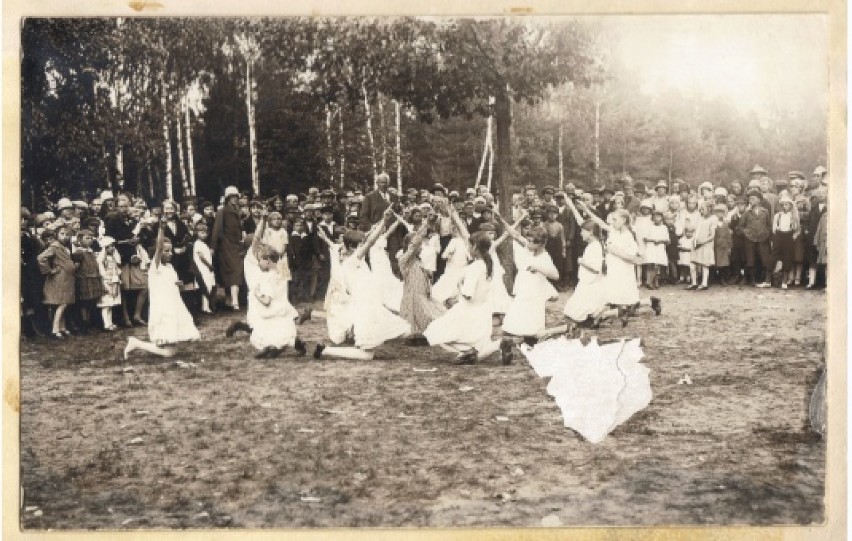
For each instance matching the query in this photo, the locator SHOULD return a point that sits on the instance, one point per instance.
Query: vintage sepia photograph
(442, 272)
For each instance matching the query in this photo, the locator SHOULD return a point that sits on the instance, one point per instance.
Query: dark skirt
(89, 289)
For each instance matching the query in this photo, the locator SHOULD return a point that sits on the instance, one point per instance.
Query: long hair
(480, 242)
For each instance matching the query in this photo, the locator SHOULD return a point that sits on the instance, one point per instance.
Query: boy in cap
(757, 229)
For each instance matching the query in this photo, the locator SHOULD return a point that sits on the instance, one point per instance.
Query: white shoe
(764, 285)
(783, 286)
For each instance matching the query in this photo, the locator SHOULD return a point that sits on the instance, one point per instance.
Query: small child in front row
(672, 251)
(655, 259)
(55, 262)
(684, 262)
(109, 264)
(723, 242)
(202, 259)
(89, 283)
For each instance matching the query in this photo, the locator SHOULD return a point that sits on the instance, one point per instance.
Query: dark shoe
(274, 352)
(506, 354)
(318, 351)
(265, 353)
(237, 326)
(656, 305)
(300, 347)
(624, 316)
(468, 357)
(530, 340)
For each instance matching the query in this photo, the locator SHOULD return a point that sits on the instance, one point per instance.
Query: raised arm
(579, 219)
(594, 217)
(373, 235)
(511, 231)
(258, 235)
(463, 232)
(323, 237)
(499, 240)
(158, 251)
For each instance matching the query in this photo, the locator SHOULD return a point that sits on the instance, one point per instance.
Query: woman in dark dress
(228, 245)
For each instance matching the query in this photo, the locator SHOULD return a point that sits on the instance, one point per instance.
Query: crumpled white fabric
(596, 387)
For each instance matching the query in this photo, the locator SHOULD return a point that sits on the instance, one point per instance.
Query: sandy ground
(239, 442)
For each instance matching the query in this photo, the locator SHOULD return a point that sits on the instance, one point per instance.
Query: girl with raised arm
(338, 317)
(525, 317)
(622, 255)
(373, 323)
(466, 328)
(456, 256)
(169, 322)
(417, 306)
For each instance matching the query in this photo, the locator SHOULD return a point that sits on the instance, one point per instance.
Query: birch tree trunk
(168, 142)
(398, 148)
(255, 181)
(183, 178)
(484, 152)
(561, 172)
(490, 159)
(119, 159)
(383, 129)
(150, 177)
(342, 149)
(370, 134)
(597, 139)
(190, 159)
(330, 156)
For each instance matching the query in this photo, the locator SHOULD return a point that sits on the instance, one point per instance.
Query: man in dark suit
(375, 202)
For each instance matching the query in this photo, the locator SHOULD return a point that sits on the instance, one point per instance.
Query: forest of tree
(180, 107)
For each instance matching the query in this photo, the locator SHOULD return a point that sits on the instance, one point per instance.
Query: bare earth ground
(239, 442)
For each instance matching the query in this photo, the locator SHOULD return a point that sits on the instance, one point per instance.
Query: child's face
(645, 211)
(691, 206)
(166, 255)
(669, 220)
(110, 249)
(62, 235)
(299, 227)
(787, 207)
(276, 222)
(688, 233)
(208, 211)
(202, 234)
(327, 216)
(190, 210)
(586, 235)
(256, 212)
(86, 241)
(658, 219)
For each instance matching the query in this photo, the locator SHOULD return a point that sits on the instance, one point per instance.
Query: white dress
(110, 268)
(338, 318)
(468, 322)
(620, 282)
(684, 254)
(429, 253)
(526, 313)
(500, 298)
(200, 248)
(251, 272)
(169, 322)
(373, 323)
(274, 325)
(641, 228)
(655, 254)
(380, 264)
(588, 298)
(447, 286)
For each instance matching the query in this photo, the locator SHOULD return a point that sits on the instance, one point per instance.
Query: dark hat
(754, 191)
(548, 189)
(551, 208)
(327, 208)
(604, 189)
(439, 187)
(758, 170)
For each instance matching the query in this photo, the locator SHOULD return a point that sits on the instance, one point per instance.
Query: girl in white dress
(338, 317)
(276, 237)
(588, 300)
(704, 255)
(373, 323)
(202, 257)
(500, 298)
(622, 255)
(655, 257)
(274, 326)
(641, 226)
(465, 328)
(456, 254)
(525, 317)
(109, 264)
(380, 265)
(169, 322)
